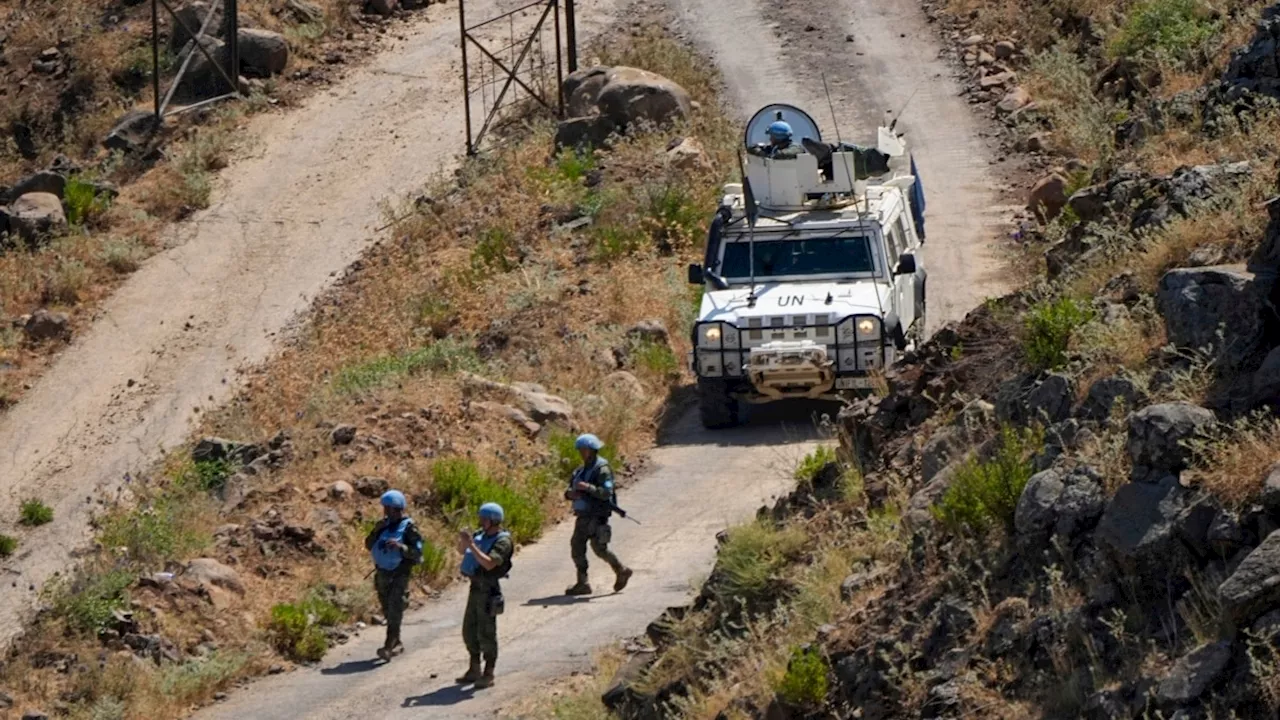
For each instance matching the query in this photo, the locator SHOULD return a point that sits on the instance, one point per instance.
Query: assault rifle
(614, 507)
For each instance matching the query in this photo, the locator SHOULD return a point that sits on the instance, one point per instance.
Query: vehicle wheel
(716, 406)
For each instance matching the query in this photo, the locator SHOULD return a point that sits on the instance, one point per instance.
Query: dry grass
(1234, 463)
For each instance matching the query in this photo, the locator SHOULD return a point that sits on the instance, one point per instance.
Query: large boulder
(582, 88)
(210, 572)
(1158, 435)
(1198, 303)
(132, 131)
(1140, 522)
(204, 77)
(584, 132)
(191, 16)
(1030, 398)
(1060, 504)
(37, 216)
(1254, 587)
(1035, 511)
(1256, 67)
(45, 181)
(1105, 393)
(1048, 197)
(262, 53)
(1194, 673)
(44, 325)
(631, 96)
(1266, 381)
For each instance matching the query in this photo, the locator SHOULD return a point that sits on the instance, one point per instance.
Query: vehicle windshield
(810, 256)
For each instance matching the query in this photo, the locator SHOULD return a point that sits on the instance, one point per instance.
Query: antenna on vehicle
(905, 105)
(752, 210)
(835, 125)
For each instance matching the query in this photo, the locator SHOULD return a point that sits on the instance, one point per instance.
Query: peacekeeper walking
(486, 559)
(592, 492)
(396, 547)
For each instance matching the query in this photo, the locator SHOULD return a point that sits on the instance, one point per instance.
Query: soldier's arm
(497, 554)
(412, 545)
(372, 537)
(603, 490)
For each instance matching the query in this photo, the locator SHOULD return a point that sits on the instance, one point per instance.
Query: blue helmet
(588, 441)
(780, 130)
(492, 511)
(393, 499)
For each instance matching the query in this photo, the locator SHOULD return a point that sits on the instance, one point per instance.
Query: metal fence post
(233, 44)
(466, 81)
(571, 34)
(155, 56)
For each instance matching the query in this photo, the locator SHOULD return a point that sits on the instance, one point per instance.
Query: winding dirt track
(300, 210)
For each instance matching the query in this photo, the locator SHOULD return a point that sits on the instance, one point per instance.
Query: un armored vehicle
(813, 280)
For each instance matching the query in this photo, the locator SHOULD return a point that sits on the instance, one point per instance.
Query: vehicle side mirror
(696, 276)
(906, 265)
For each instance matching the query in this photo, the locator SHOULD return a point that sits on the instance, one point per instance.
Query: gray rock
(1271, 490)
(385, 8)
(207, 571)
(1077, 246)
(1226, 535)
(191, 16)
(204, 77)
(919, 508)
(1194, 673)
(584, 132)
(1050, 400)
(343, 435)
(37, 216)
(654, 331)
(1198, 303)
(132, 131)
(1266, 381)
(860, 581)
(582, 88)
(35, 715)
(625, 385)
(1140, 522)
(1106, 392)
(632, 96)
(1079, 506)
(1158, 433)
(1254, 587)
(262, 53)
(944, 447)
(1254, 67)
(304, 12)
(45, 181)
(44, 325)
(372, 487)
(515, 415)
(341, 490)
(1035, 514)
(1049, 196)
(545, 408)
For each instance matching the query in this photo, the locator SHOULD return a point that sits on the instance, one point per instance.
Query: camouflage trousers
(593, 531)
(479, 624)
(393, 596)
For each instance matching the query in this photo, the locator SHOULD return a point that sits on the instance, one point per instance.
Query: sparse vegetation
(447, 355)
(1049, 327)
(814, 463)
(298, 628)
(8, 545)
(1172, 32)
(462, 488)
(751, 558)
(87, 604)
(34, 513)
(985, 493)
(805, 682)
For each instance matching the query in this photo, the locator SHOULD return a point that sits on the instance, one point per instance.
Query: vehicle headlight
(709, 335)
(868, 328)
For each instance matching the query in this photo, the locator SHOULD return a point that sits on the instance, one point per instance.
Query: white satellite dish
(802, 126)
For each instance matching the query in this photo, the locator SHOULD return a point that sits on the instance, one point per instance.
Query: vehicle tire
(717, 408)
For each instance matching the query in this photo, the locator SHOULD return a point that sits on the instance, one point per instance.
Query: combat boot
(486, 680)
(473, 673)
(579, 589)
(624, 576)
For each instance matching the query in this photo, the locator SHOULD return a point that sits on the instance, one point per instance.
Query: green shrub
(171, 524)
(493, 253)
(806, 682)
(1049, 326)
(751, 558)
(204, 475)
(985, 493)
(433, 562)
(573, 165)
(88, 603)
(1178, 32)
(195, 679)
(446, 355)
(813, 463)
(34, 513)
(81, 201)
(8, 545)
(297, 628)
(655, 358)
(673, 216)
(462, 488)
(1084, 124)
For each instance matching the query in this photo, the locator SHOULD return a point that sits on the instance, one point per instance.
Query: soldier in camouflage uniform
(396, 546)
(486, 559)
(591, 490)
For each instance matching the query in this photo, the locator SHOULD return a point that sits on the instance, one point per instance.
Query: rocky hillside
(1065, 506)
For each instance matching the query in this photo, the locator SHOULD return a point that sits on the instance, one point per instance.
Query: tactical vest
(585, 504)
(470, 565)
(388, 558)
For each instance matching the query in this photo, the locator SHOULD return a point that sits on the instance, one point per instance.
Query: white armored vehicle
(813, 281)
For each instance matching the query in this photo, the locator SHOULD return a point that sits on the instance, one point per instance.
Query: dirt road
(285, 220)
(696, 486)
(876, 57)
